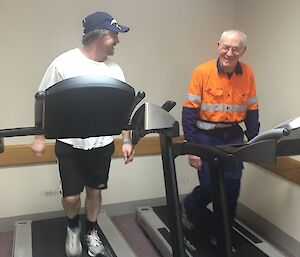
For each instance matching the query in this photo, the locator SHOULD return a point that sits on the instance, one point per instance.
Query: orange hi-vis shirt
(221, 99)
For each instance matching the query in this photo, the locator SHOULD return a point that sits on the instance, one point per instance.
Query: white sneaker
(73, 245)
(94, 244)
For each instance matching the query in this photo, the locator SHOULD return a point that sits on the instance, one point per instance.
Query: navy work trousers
(195, 203)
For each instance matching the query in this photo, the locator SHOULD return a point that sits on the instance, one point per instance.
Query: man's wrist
(127, 141)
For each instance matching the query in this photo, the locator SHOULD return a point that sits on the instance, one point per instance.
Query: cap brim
(120, 28)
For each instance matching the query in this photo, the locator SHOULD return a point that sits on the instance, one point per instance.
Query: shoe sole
(93, 255)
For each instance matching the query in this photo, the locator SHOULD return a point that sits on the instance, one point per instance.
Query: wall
(158, 54)
(272, 28)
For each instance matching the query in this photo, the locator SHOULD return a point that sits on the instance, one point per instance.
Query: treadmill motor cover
(87, 106)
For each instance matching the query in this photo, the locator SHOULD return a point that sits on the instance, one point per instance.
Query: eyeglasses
(234, 50)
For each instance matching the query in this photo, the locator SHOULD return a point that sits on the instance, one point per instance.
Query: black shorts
(79, 168)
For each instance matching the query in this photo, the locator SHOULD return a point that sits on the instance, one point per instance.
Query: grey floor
(126, 224)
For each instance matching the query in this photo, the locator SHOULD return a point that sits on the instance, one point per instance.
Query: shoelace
(94, 238)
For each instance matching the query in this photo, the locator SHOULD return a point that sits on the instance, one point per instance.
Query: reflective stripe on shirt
(223, 107)
(252, 100)
(193, 98)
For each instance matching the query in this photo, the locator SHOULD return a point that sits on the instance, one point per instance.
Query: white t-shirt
(72, 64)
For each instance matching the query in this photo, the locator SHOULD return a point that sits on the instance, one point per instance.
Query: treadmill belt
(48, 237)
(243, 247)
(191, 248)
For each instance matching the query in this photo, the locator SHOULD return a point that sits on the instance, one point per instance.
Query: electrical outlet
(50, 193)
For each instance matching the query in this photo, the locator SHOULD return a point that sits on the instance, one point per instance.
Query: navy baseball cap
(102, 20)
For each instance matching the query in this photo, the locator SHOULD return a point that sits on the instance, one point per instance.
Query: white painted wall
(166, 41)
(273, 31)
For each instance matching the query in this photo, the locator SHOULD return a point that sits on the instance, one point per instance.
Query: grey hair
(93, 35)
(230, 33)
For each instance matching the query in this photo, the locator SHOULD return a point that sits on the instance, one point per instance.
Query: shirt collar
(238, 68)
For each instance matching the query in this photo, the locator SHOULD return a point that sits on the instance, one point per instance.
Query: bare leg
(92, 203)
(71, 205)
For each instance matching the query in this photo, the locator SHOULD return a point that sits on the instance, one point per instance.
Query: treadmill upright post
(1, 145)
(223, 236)
(172, 195)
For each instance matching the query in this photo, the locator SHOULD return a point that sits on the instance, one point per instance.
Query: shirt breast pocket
(213, 94)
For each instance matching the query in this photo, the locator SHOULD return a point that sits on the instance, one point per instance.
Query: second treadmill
(283, 140)
(154, 221)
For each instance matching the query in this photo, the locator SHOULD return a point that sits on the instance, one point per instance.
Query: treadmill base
(246, 242)
(46, 238)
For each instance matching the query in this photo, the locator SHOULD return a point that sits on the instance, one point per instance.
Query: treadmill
(46, 238)
(65, 110)
(158, 222)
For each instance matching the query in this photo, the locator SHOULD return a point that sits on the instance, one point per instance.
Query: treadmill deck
(46, 238)
(246, 243)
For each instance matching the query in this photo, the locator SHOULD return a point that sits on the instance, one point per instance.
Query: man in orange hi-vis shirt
(220, 96)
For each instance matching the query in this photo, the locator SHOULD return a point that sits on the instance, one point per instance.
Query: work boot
(214, 243)
(73, 245)
(186, 222)
(94, 244)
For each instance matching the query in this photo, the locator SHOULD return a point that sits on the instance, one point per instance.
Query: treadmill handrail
(275, 134)
(290, 124)
(18, 132)
(205, 152)
(251, 152)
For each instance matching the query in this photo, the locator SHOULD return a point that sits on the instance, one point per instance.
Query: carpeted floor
(126, 224)
(6, 242)
(135, 236)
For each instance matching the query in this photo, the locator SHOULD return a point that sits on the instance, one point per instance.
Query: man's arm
(189, 120)
(252, 118)
(127, 147)
(252, 124)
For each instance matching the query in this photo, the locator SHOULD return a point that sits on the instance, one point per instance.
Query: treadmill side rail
(22, 246)
(153, 226)
(263, 245)
(150, 224)
(114, 237)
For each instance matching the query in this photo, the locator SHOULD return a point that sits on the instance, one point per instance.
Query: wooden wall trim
(286, 167)
(20, 155)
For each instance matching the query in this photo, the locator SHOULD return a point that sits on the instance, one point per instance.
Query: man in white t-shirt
(85, 163)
